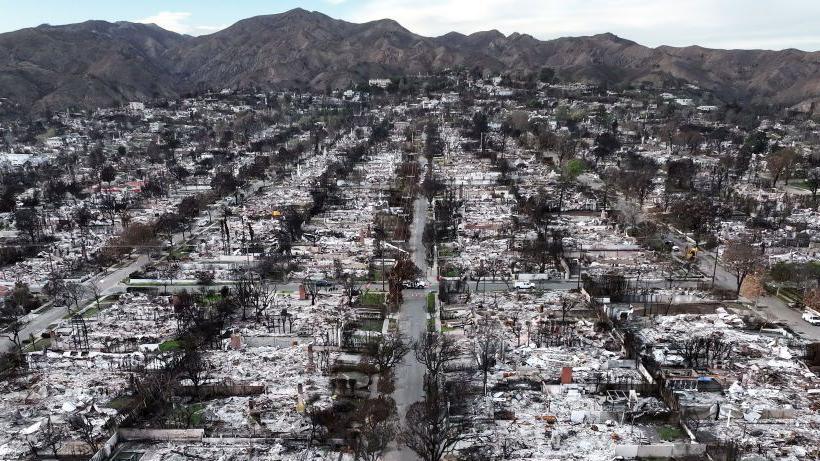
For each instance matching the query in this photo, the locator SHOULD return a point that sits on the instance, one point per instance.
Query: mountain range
(98, 63)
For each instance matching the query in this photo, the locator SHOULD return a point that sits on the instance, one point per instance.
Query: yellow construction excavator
(691, 253)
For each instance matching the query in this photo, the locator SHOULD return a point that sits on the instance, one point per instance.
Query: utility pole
(717, 248)
(579, 268)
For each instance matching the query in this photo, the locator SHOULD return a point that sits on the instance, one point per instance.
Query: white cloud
(174, 21)
(715, 23)
(178, 21)
(541, 18)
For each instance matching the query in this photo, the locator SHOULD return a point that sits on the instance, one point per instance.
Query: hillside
(96, 63)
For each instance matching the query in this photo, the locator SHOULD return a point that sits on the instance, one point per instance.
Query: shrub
(205, 277)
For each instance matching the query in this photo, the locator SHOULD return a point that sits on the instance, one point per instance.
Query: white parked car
(524, 285)
(418, 283)
(814, 319)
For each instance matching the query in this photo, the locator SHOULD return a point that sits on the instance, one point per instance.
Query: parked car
(524, 285)
(417, 283)
(324, 283)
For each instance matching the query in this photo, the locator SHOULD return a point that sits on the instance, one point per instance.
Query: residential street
(412, 322)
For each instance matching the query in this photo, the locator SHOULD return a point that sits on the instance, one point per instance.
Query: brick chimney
(566, 375)
(236, 341)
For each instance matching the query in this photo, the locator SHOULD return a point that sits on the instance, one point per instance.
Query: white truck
(524, 285)
(811, 316)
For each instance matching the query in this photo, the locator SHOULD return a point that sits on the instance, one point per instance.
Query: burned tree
(696, 214)
(109, 207)
(52, 437)
(388, 351)
(567, 304)
(536, 252)
(85, 430)
(376, 429)
(252, 294)
(430, 430)
(351, 288)
(379, 236)
(10, 314)
(516, 327)
(636, 177)
(403, 270)
(193, 365)
(96, 292)
(703, 351)
(434, 351)
(742, 258)
(83, 217)
(75, 292)
(433, 145)
(312, 289)
(486, 348)
(166, 273)
(55, 287)
(29, 221)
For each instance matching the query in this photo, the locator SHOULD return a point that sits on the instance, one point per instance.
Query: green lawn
(119, 403)
(452, 272)
(38, 345)
(182, 413)
(371, 325)
(785, 293)
(163, 284)
(91, 311)
(670, 433)
(179, 253)
(801, 184)
(372, 298)
(212, 298)
(170, 345)
(431, 302)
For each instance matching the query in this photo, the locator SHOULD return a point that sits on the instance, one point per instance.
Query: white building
(379, 82)
(54, 143)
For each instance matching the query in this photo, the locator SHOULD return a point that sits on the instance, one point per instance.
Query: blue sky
(713, 23)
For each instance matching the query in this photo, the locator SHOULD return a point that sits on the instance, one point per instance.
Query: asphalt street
(409, 375)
